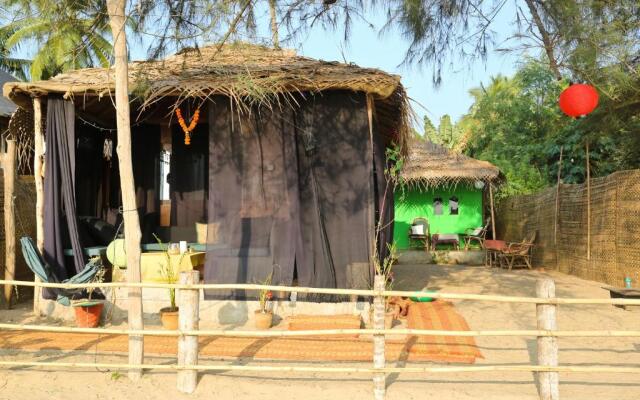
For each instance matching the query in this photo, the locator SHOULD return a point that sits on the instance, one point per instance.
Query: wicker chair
(517, 254)
(477, 235)
(419, 240)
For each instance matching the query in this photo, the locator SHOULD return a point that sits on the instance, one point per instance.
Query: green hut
(448, 189)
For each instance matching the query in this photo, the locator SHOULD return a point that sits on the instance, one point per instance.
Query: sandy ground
(103, 384)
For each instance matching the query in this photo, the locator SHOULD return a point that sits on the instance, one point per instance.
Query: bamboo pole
(338, 370)
(324, 332)
(188, 321)
(557, 213)
(379, 379)
(493, 216)
(547, 349)
(9, 174)
(38, 153)
(358, 292)
(117, 19)
(588, 203)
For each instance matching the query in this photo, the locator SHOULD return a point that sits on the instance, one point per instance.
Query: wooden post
(493, 214)
(588, 204)
(117, 18)
(188, 320)
(379, 378)
(556, 216)
(547, 346)
(38, 144)
(9, 173)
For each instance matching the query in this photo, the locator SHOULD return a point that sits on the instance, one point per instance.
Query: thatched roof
(431, 165)
(246, 73)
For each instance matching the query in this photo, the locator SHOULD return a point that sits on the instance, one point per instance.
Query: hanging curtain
(60, 221)
(290, 192)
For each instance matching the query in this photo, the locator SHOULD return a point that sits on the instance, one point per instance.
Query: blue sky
(367, 49)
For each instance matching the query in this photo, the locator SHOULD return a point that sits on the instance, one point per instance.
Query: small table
(493, 248)
(445, 238)
(623, 293)
(153, 263)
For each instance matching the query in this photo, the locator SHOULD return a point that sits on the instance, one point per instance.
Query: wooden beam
(588, 203)
(9, 174)
(38, 179)
(117, 18)
(555, 223)
(493, 214)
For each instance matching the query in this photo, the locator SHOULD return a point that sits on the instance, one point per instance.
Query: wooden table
(493, 248)
(153, 263)
(445, 238)
(623, 293)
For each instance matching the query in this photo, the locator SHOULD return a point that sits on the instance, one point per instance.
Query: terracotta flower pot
(169, 318)
(263, 320)
(88, 316)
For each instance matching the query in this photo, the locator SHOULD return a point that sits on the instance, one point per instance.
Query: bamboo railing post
(547, 346)
(9, 173)
(379, 378)
(38, 150)
(188, 320)
(557, 212)
(588, 202)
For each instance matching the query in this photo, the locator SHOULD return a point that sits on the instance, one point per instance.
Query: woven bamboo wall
(25, 206)
(615, 227)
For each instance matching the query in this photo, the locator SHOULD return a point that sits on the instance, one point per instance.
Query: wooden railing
(187, 366)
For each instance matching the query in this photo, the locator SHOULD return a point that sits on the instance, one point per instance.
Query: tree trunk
(116, 10)
(547, 43)
(274, 24)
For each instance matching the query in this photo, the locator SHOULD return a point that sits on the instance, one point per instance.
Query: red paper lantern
(578, 100)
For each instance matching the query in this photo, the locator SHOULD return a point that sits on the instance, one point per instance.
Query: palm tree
(69, 34)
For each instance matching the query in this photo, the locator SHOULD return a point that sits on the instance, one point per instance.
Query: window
(453, 205)
(437, 206)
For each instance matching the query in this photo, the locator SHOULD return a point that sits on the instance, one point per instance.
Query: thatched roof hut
(246, 73)
(432, 165)
(285, 161)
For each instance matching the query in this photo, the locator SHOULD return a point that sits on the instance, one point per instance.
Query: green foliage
(516, 124)
(69, 34)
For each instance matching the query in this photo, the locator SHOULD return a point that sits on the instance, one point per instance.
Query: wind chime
(192, 124)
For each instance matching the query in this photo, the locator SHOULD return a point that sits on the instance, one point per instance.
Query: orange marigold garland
(192, 125)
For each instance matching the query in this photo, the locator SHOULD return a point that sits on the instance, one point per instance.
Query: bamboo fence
(608, 252)
(188, 366)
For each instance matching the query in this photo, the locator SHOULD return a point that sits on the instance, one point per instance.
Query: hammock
(43, 271)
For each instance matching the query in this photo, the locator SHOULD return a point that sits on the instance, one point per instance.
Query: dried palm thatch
(430, 165)
(248, 74)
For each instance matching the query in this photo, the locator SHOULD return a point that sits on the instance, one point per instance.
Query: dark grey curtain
(289, 193)
(59, 190)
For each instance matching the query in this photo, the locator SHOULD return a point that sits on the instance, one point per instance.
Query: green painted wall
(411, 204)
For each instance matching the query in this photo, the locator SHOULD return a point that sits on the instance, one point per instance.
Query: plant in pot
(169, 315)
(264, 317)
(89, 310)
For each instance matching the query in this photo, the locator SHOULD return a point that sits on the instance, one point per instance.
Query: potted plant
(88, 310)
(169, 315)
(263, 316)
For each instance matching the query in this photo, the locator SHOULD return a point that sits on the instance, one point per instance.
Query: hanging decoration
(192, 125)
(107, 149)
(578, 100)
